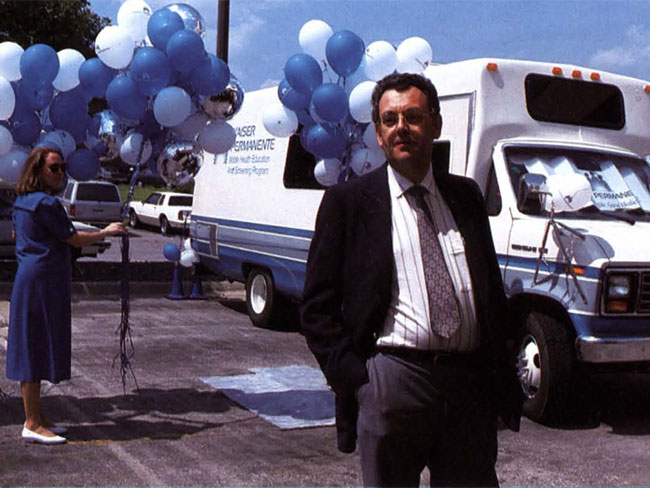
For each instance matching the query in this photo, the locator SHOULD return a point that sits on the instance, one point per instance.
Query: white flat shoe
(31, 436)
(56, 429)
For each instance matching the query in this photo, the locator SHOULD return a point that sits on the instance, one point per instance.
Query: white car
(163, 209)
(7, 245)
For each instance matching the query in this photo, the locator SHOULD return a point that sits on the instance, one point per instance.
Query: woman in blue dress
(39, 339)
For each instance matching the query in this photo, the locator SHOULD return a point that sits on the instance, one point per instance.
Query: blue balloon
(291, 98)
(150, 70)
(211, 76)
(36, 97)
(94, 77)
(66, 108)
(39, 64)
(304, 118)
(83, 164)
(162, 25)
(149, 127)
(303, 72)
(124, 98)
(330, 102)
(25, 126)
(344, 52)
(77, 128)
(185, 51)
(172, 252)
(325, 142)
(48, 144)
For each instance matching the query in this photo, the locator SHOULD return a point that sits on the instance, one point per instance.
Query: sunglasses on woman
(54, 168)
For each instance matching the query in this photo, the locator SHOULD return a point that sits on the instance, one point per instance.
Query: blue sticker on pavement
(290, 397)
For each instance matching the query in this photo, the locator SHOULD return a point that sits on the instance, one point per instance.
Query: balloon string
(127, 350)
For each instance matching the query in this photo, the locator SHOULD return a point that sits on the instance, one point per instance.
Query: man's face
(406, 130)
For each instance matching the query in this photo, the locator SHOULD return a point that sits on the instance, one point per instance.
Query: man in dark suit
(405, 311)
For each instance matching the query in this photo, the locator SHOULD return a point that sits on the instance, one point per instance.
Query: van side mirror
(530, 193)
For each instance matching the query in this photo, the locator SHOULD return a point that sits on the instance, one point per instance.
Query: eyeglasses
(412, 116)
(54, 168)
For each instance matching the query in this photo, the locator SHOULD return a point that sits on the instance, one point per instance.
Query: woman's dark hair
(30, 176)
(402, 82)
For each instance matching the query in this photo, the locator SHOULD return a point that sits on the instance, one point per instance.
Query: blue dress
(39, 339)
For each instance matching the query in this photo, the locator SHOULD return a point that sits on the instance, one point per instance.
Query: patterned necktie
(443, 306)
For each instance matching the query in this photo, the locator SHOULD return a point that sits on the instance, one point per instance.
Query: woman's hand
(114, 229)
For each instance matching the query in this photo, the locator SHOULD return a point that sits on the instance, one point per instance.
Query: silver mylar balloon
(224, 105)
(178, 163)
(191, 17)
(110, 134)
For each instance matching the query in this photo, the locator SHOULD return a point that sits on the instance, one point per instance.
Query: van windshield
(618, 183)
(97, 192)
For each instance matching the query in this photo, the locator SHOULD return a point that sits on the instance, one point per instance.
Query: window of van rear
(574, 102)
(98, 193)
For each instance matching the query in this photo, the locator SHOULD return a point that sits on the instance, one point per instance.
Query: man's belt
(478, 358)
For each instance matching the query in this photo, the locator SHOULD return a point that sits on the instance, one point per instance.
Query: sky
(609, 35)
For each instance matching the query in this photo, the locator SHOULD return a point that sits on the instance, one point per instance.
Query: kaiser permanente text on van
(254, 145)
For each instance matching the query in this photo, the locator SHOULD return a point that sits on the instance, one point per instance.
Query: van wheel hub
(529, 367)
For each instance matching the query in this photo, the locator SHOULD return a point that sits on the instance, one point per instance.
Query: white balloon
(69, 62)
(10, 54)
(6, 140)
(370, 138)
(217, 137)
(114, 46)
(313, 38)
(327, 171)
(62, 139)
(379, 60)
(133, 16)
(188, 258)
(278, 120)
(187, 244)
(413, 55)
(360, 101)
(7, 99)
(11, 164)
(364, 161)
(172, 106)
(130, 148)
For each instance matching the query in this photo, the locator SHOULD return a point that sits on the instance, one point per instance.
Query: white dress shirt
(408, 320)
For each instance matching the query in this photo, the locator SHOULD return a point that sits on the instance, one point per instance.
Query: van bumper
(591, 349)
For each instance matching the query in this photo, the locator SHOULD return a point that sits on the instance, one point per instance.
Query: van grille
(644, 293)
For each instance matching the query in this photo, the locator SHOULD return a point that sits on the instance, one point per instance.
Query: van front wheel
(546, 369)
(262, 302)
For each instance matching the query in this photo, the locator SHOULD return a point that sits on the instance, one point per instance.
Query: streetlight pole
(223, 23)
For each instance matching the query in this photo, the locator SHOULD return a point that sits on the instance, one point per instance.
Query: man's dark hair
(402, 82)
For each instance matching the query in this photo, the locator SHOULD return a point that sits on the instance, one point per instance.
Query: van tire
(164, 225)
(263, 305)
(546, 368)
(133, 219)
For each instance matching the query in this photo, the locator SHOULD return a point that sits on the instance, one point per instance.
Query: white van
(578, 279)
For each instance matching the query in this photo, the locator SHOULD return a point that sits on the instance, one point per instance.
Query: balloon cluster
(332, 116)
(167, 98)
(185, 255)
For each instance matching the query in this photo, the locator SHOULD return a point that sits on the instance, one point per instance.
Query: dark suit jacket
(349, 284)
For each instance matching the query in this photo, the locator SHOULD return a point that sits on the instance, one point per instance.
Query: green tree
(58, 23)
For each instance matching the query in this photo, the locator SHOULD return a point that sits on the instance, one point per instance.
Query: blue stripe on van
(531, 264)
(255, 226)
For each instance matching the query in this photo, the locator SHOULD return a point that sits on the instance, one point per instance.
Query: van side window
(440, 157)
(299, 166)
(493, 194)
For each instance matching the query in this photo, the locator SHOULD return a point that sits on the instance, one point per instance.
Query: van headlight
(620, 293)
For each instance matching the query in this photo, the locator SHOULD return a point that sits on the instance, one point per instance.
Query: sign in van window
(574, 102)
